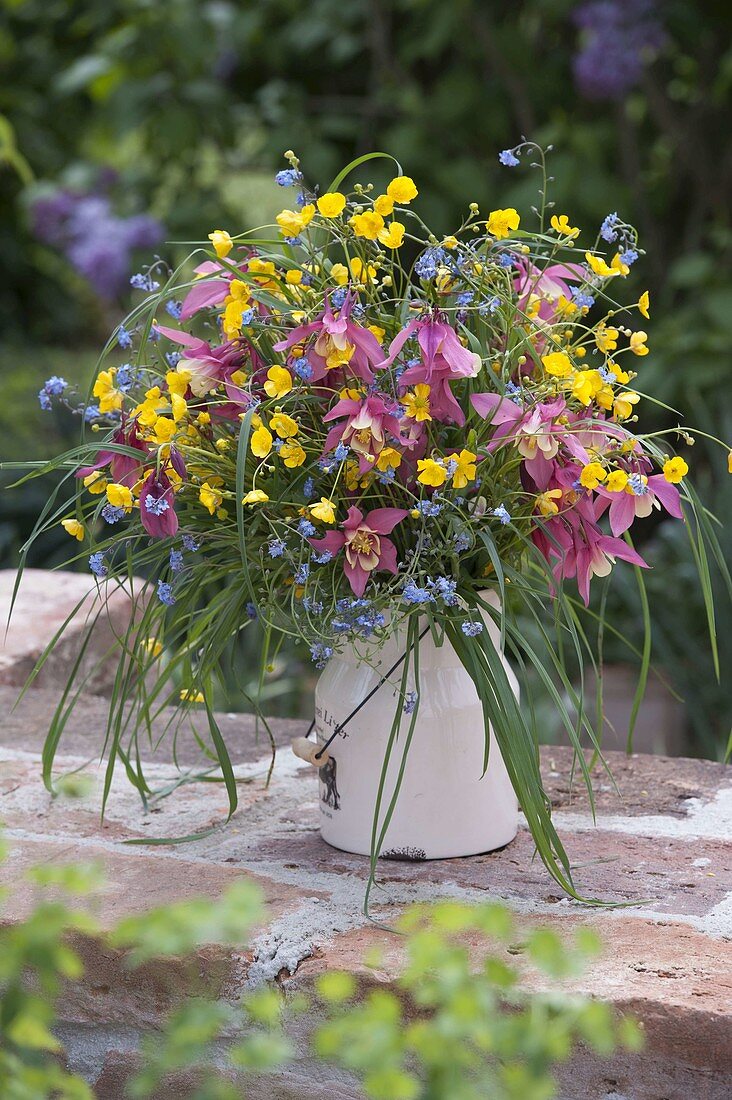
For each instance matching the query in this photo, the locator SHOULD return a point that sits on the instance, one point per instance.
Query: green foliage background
(192, 102)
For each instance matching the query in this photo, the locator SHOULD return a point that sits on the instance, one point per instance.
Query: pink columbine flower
(548, 286)
(578, 548)
(364, 429)
(366, 548)
(638, 500)
(124, 469)
(206, 292)
(594, 556)
(339, 342)
(207, 366)
(442, 360)
(157, 505)
(533, 430)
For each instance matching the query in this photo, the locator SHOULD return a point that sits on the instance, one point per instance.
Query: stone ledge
(45, 601)
(667, 960)
(663, 841)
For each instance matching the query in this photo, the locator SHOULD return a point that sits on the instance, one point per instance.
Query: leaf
(356, 163)
(29, 1031)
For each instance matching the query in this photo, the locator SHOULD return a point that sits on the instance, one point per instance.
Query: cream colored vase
(446, 806)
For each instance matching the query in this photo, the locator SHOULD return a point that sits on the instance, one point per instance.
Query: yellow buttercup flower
(364, 273)
(95, 482)
(389, 459)
(324, 510)
(384, 205)
(74, 528)
(621, 376)
(152, 647)
(232, 318)
(179, 407)
(465, 470)
(110, 399)
(292, 222)
(644, 304)
(557, 363)
(120, 496)
(284, 425)
(616, 481)
(560, 224)
(222, 242)
(279, 382)
(674, 469)
(586, 384)
(164, 429)
(431, 472)
(564, 307)
(239, 291)
(638, 343)
(450, 242)
(624, 402)
(264, 270)
(393, 236)
(210, 497)
(189, 695)
(368, 224)
(618, 266)
(339, 272)
(417, 403)
(255, 496)
(501, 223)
(331, 205)
(402, 190)
(592, 474)
(261, 442)
(599, 266)
(292, 454)
(605, 396)
(178, 381)
(354, 478)
(606, 337)
(547, 502)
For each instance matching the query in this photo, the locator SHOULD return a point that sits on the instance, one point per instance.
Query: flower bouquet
(407, 450)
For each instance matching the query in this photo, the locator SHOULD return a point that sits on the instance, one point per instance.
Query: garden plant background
(129, 125)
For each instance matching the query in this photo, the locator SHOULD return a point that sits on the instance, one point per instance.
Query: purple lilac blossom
(96, 241)
(617, 35)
